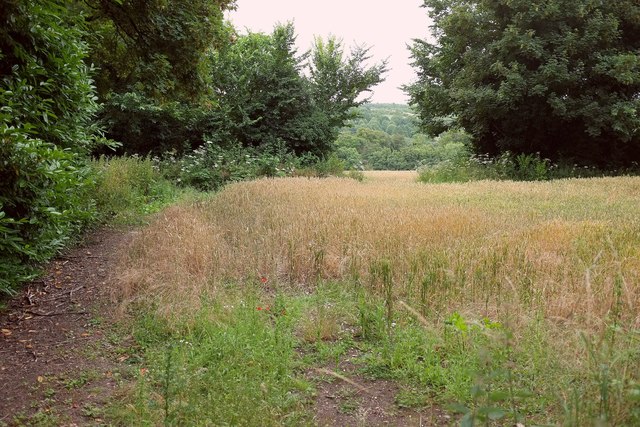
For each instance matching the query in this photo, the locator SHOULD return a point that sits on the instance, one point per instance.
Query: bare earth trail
(57, 363)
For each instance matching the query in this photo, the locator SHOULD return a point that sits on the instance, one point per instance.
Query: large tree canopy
(558, 77)
(157, 48)
(268, 99)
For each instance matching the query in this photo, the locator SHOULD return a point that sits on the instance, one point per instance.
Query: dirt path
(58, 366)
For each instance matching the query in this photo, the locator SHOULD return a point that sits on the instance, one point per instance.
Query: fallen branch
(343, 378)
(63, 294)
(51, 313)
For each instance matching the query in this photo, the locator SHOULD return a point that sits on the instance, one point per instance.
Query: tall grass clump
(126, 188)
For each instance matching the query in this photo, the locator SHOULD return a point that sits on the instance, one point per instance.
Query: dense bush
(211, 166)
(144, 126)
(47, 101)
(44, 199)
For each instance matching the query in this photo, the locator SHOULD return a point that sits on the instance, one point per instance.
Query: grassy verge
(504, 302)
(234, 365)
(246, 360)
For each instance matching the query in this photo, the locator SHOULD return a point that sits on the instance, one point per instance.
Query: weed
(411, 397)
(39, 419)
(348, 401)
(128, 188)
(92, 411)
(79, 381)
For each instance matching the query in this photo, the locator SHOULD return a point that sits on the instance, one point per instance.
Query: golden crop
(568, 250)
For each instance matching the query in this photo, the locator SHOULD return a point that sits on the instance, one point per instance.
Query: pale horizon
(386, 29)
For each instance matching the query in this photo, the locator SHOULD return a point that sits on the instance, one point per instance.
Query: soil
(58, 362)
(347, 398)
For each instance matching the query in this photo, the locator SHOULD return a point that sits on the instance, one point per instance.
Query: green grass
(236, 365)
(240, 365)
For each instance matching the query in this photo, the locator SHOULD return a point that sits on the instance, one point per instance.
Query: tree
(339, 81)
(153, 70)
(558, 77)
(157, 48)
(260, 85)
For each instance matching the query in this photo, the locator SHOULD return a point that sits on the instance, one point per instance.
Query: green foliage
(47, 101)
(239, 371)
(259, 86)
(210, 166)
(155, 48)
(46, 87)
(154, 71)
(521, 167)
(386, 137)
(506, 167)
(44, 199)
(329, 166)
(128, 188)
(144, 126)
(338, 81)
(257, 96)
(559, 78)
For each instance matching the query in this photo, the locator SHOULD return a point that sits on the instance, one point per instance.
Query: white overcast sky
(386, 26)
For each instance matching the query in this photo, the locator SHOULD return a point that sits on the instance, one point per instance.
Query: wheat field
(566, 250)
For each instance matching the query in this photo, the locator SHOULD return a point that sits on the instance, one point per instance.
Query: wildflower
(143, 372)
(263, 280)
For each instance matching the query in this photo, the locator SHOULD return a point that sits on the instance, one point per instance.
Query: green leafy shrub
(44, 199)
(329, 166)
(211, 166)
(47, 101)
(523, 167)
(463, 170)
(144, 126)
